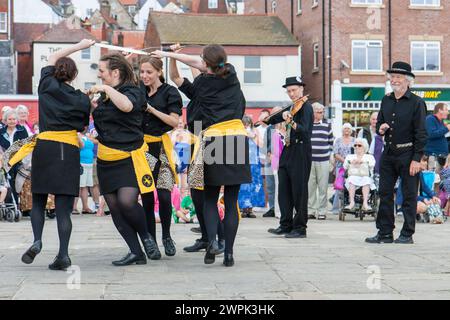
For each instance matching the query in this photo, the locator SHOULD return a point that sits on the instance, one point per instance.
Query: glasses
(358, 145)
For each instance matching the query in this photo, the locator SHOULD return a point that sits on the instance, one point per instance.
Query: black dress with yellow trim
(121, 144)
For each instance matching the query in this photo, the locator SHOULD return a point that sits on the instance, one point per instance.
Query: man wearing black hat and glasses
(295, 163)
(402, 121)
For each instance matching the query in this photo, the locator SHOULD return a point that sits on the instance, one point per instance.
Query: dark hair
(156, 63)
(215, 58)
(424, 158)
(438, 107)
(65, 69)
(117, 61)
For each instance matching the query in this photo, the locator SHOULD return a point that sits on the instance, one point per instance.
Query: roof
(129, 2)
(62, 33)
(247, 30)
(131, 39)
(25, 33)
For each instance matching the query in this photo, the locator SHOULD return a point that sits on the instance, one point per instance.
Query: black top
(167, 100)
(406, 118)
(213, 99)
(117, 129)
(21, 133)
(61, 107)
(304, 120)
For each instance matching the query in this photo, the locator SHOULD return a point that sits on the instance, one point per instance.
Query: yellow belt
(168, 149)
(142, 169)
(68, 137)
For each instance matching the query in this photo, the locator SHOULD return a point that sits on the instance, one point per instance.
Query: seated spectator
(12, 131)
(3, 185)
(22, 115)
(427, 196)
(186, 212)
(359, 167)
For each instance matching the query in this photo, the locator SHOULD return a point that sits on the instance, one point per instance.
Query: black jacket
(20, 134)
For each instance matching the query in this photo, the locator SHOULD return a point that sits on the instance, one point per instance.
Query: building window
(299, 6)
(366, 2)
(252, 70)
(213, 4)
(316, 56)
(426, 56)
(367, 55)
(86, 54)
(426, 3)
(3, 22)
(132, 10)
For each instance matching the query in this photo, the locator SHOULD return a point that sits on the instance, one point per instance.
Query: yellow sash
(142, 169)
(69, 137)
(168, 149)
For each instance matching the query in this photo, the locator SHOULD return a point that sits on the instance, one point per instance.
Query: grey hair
(409, 78)
(21, 107)
(364, 142)
(5, 108)
(7, 113)
(317, 106)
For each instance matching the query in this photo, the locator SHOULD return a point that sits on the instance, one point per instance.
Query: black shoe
(389, 238)
(211, 252)
(296, 234)
(221, 246)
(60, 263)
(251, 215)
(169, 247)
(279, 231)
(32, 252)
(312, 217)
(151, 249)
(51, 215)
(228, 260)
(130, 259)
(404, 240)
(269, 214)
(197, 246)
(196, 230)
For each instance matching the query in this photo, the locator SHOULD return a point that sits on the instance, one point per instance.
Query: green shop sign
(434, 94)
(363, 93)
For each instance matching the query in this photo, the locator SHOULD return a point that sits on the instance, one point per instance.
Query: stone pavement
(332, 263)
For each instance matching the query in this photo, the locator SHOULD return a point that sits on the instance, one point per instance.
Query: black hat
(294, 81)
(402, 68)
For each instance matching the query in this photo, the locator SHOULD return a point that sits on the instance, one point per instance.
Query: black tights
(198, 197)
(165, 211)
(231, 219)
(63, 209)
(128, 216)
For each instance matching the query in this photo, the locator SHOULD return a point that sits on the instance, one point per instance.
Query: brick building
(8, 67)
(348, 44)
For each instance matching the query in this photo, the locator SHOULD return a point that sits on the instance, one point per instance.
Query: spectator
(36, 127)
(342, 148)
(23, 114)
(4, 109)
(182, 146)
(322, 145)
(437, 147)
(276, 145)
(3, 185)
(375, 141)
(186, 210)
(359, 168)
(252, 194)
(95, 190)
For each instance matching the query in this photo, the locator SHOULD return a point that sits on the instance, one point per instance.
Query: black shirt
(117, 129)
(406, 118)
(167, 100)
(61, 107)
(304, 120)
(21, 133)
(214, 99)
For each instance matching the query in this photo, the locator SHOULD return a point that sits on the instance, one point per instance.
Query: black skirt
(55, 168)
(113, 175)
(227, 161)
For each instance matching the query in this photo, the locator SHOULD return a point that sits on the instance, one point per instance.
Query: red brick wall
(24, 73)
(203, 7)
(4, 8)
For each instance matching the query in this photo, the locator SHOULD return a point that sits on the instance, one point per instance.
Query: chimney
(120, 39)
(105, 8)
(87, 25)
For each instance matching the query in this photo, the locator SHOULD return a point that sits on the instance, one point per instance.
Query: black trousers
(293, 177)
(392, 167)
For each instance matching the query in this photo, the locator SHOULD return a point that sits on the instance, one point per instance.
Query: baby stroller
(357, 211)
(9, 211)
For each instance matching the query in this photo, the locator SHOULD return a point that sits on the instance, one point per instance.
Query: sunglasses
(358, 145)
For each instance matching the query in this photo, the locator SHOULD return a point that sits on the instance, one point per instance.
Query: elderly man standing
(322, 144)
(402, 122)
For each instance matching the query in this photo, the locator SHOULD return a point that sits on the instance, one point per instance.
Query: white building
(142, 15)
(85, 8)
(34, 11)
(56, 39)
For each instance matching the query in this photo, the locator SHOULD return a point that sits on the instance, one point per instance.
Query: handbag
(340, 179)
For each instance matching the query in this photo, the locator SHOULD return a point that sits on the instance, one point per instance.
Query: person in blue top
(87, 163)
(426, 196)
(437, 147)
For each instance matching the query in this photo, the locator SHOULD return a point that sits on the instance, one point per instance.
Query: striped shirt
(322, 141)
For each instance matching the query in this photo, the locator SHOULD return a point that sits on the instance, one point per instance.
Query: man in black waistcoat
(401, 121)
(295, 164)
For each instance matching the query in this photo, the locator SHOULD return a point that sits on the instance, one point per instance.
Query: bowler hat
(294, 81)
(402, 68)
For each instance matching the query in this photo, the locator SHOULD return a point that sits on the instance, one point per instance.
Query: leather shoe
(196, 230)
(60, 263)
(221, 246)
(32, 252)
(169, 247)
(296, 234)
(151, 249)
(197, 246)
(379, 238)
(278, 231)
(211, 252)
(269, 214)
(312, 216)
(228, 260)
(130, 259)
(404, 240)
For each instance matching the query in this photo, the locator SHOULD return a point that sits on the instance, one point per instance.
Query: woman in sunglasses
(359, 167)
